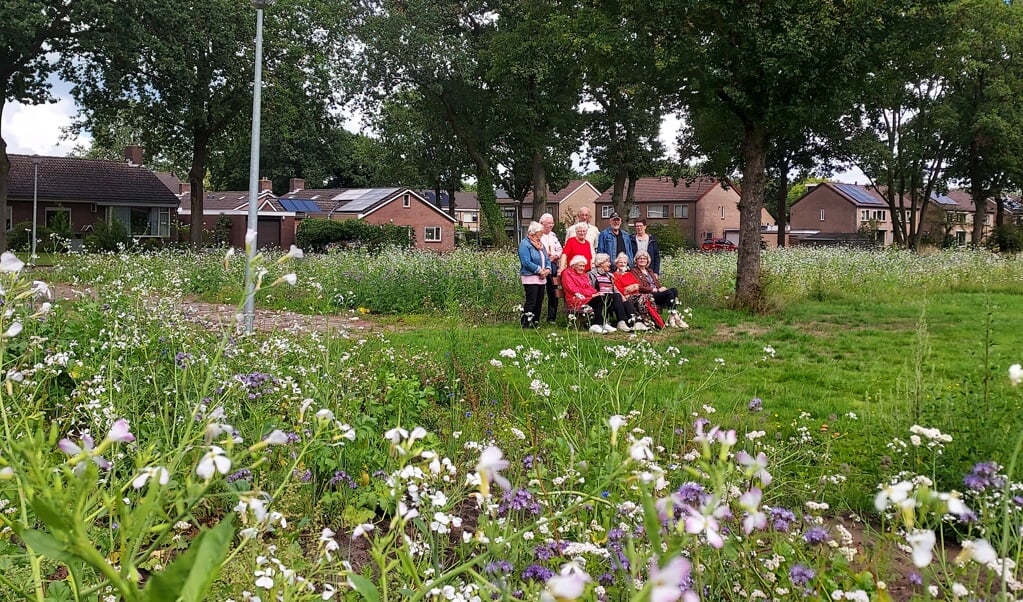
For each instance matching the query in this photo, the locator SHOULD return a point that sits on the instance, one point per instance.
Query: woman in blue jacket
(534, 270)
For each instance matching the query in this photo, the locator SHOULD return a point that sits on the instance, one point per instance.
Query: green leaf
(49, 515)
(47, 545)
(190, 576)
(365, 587)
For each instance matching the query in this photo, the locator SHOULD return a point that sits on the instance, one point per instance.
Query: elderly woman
(650, 282)
(602, 280)
(579, 294)
(534, 270)
(628, 286)
(578, 245)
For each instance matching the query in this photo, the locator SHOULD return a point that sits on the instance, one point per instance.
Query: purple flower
(984, 476)
(182, 359)
(756, 404)
(518, 500)
(498, 566)
(800, 574)
(341, 476)
(915, 578)
(692, 494)
(815, 535)
(536, 572)
(528, 461)
(781, 519)
(244, 473)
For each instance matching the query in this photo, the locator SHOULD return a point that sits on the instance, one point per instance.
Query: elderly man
(613, 240)
(592, 232)
(552, 245)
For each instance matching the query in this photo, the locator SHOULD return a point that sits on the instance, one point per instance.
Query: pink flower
(119, 432)
(87, 450)
(669, 583)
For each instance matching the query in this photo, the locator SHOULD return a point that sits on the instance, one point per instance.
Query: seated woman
(650, 282)
(577, 246)
(579, 293)
(603, 282)
(626, 283)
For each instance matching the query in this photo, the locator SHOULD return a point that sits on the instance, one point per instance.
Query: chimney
(133, 154)
(184, 187)
(296, 184)
(265, 184)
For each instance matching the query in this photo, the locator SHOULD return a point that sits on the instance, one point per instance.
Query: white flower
(250, 238)
(277, 437)
(640, 450)
(9, 262)
(41, 289)
(158, 472)
(13, 330)
(1015, 374)
(290, 279)
(616, 422)
(294, 253)
(361, 530)
(489, 468)
(893, 494)
(922, 541)
(979, 550)
(568, 585)
(215, 460)
(667, 582)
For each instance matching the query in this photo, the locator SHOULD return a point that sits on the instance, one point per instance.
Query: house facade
(225, 216)
(838, 212)
(701, 208)
(563, 205)
(433, 228)
(75, 194)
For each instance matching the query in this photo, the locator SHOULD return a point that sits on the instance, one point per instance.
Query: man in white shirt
(592, 232)
(552, 245)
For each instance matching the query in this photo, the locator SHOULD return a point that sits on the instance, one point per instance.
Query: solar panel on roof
(942, 199)
(860, 195)
(367, 198)
(311, 207)
(287, 204)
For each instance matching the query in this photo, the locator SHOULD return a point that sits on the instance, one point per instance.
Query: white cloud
(36, 129)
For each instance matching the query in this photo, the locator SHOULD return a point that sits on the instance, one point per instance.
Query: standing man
(552, 245)
(613, 240)
(592, 232)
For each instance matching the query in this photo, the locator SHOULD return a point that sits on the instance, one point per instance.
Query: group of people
(623, 297)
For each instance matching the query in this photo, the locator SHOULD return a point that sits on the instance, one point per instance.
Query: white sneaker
(609, 329)
(596, 329)
(622, 326)
(638, 326)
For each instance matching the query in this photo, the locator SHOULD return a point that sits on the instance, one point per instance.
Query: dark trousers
(552, 300)
(665, 298)
(605, 305)
(533, 306)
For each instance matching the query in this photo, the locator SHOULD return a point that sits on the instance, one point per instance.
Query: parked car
(717, 244)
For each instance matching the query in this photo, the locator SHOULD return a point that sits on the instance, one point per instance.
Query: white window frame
(163, 219)
(822, 215)
(722, 212)
(428, 230)
(657, 211)
(606, 211)
(52, 210)
(406, 201)
(864, 215)
(682, 211)
(634, 212)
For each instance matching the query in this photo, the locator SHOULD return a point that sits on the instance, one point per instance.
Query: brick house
(226, 216)
(702, 208)
(79, 193)
(563, 205)
(433, 228)
(838, 212)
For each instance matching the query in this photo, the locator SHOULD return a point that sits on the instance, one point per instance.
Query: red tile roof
(654, 189)
(70, 179)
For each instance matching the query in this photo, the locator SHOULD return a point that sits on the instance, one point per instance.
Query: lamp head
(259, 4)
(35, 159)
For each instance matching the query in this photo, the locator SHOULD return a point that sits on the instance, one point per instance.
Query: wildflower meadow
(858, 440)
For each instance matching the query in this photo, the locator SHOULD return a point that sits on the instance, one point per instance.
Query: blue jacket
(529, 258)
(606, 243)
(655, 254)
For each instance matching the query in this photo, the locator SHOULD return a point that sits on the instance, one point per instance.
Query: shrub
(1007, 238)
(318, 235)
(670, 237)
(107, 236)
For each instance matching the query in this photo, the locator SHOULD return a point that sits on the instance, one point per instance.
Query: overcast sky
(37, 130)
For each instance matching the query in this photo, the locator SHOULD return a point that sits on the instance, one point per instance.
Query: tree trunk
(196, 177)
(748, 294)
(977, 192)
(539, 186)
(618, 192)
(5, 171)
(630, 196)
(782, 202)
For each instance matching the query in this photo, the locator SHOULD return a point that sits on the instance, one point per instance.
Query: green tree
(766, 67)
(436, 48)
(30, 30)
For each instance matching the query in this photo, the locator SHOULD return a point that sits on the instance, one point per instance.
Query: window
(8, 220)
(822, 215)
(606, 211)
(682, 211)
(406, 200)
(961, 238)
(552, 208)
(58, 218)
(508, 212)
(657, 211)
(527, 212)
(987, 220)
(142, 221)
(881, 216)
(634, 212)
(722, 207)
(864, 215)
(432, 234)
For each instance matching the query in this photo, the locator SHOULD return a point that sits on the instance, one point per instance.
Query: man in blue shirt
(613, 240)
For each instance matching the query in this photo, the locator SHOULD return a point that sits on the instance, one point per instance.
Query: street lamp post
(253, 223)
(35, 206)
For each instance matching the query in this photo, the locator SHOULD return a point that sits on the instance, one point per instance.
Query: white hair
(534, 228)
